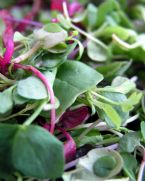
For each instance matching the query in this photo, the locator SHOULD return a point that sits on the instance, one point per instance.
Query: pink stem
(35, 9)
(7, 40)
(69, 146)
(48, 87)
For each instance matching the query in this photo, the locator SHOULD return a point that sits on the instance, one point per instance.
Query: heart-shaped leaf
(30, 150)
(73, 79)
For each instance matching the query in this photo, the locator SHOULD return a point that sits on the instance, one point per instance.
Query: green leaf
(6, 134)
(37, 146)
(113, 69)
(91, 138)
(129, 142)
(130, 165)
(123, 85)
(132, 100)
(52, 28)
(30, 150)
(84, 170)
(104, 165)
(96, 52)
(143, 130)
(87, 162)
(109, 114)
(6, 101)
(73, 79)
(18, 100)
(121, 32)
(32, 88)
(91, 15)
(104, 9)
(51, 60)
(18, 37)
(117, 98)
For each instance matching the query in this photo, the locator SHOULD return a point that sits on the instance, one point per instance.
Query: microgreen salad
(72, 99)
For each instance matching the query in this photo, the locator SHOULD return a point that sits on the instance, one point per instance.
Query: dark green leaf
(51, 60)
(104, 165)
(30, 150)
(6, 137)
(73, 79)
(37, 153)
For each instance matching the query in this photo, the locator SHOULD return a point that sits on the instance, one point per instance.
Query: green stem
(89, 36)
(36, 113)
(88, 129)
(28, 108)
(109, 141)
(105, 99)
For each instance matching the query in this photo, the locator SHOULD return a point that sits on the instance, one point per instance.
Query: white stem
(89, 36)
(123, 44)
(28, 54)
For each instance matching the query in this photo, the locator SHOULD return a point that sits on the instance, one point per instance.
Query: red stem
(35, 9)
(69, 146)
(48, 87)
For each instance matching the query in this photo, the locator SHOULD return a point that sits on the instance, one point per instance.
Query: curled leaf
(73, 118)
(85, 166)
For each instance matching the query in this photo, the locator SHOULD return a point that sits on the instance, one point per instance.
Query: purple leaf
(75, 7)
(73, 118)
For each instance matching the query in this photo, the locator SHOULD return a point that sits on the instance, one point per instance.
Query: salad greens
(72, 99)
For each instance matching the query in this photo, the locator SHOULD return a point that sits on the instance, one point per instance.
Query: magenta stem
(7, 41)
(48, 87)
(69, 146)
(67, 135)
